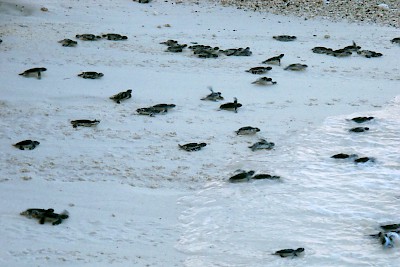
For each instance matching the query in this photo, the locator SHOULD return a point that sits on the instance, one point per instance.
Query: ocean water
(328, 206)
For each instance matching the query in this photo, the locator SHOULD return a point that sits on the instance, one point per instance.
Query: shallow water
(327, 206)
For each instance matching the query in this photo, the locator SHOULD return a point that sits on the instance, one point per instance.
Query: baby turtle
(163, 107)
(87, 37)
(85, 123)
(259, 70)
(176, 48)
(150, 111)
(121, 96)
(213, 96)
(27, 145)
(284, 38)
(114, 37)
(362, 119)
(192, 146)
(34, 71)
(91, 75)
(68, 42)
(289, 252)
(343, 156)
(396, 40)
(170, 42)
(364, 160)
(274, 60)
(247, 130)
(142, 1)
(369, 53)
(340, 53)
(265, 176)
(262, 144)
(232, 106)
(390, 227)
(296, 67)
(322, 50)
(352, 48)
(45, 215)
(243, 176)
(264, 81)
(359, 129)
(387, 239)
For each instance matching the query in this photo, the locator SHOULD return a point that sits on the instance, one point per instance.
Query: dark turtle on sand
(237, 51)
(27, 145)
(243, 176)
(85, 123)
(142, 1)
(296, 67)
(259, 70)
(322, 50)
(262, 144)
(247, 130)
(232, 106)
(264, 81)
(390, 227)
(274, 60)
(343, 156)
(87, 37)
(284, 38)
(170, 42)
(163, 107)
(265, 176)
(362, 119)
(340, 53)
(369, 53)
(122, 96)
(33, 72)
(192, 146)
(396, 40)
(45, 215)
(352, 48)
(359, 129)
(150, 111)
(289, 252)
(114, 37)
(68, 42)
(364, 160)
(213, 96)
(91, 75)
(176, 48)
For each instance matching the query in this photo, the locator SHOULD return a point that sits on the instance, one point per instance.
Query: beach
(134, 197)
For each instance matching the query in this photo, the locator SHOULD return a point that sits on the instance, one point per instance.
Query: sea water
(328, 206)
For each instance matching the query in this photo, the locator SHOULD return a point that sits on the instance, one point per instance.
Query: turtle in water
(264, 81)
(289, 252)
(243, 176)
(213, 96)
(68, 42)
(247, 130)
(387, 239)
(259, 70)
(359, 129)
(114, 37)
(46, 215)
(150, 111)
(121, 96)
(390, 227)
(265, 176)
(274, 60)
(262, 144)
(27, 145)
(192, 146)
(233, 106)
(33, 72)
(85, 123)
(87, 37)
(91, 75)
(296, 67)
(362, 119)
(284, 38)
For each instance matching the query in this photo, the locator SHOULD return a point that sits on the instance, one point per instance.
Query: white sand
(125, 182)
